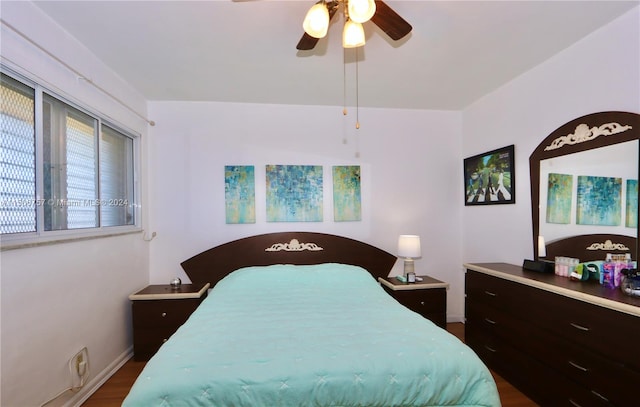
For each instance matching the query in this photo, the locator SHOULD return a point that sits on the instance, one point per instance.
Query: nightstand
(158, 311)
(427, 297)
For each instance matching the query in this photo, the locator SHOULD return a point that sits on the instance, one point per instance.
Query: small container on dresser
(158, 311)
(427, 297)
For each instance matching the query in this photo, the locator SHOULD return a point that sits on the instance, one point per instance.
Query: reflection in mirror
(569, 188)
(584, 187)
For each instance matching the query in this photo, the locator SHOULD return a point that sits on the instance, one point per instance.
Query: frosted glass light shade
(409, 246)
(316, 22)
(353, 35)
(361, 11)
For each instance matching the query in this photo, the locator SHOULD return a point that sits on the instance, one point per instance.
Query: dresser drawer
(598, 329)
(600, 378)
(496, 323)
(603, 377)
(501, 294)
(557, 349)
(530, 374)
(533, 378)
(591, 327)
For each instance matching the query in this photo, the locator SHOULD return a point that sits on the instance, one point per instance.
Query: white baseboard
(98, 380)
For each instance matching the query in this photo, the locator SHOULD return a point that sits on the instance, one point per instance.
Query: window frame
(41, 236)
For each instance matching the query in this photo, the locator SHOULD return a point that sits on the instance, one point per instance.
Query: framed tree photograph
(489, 178)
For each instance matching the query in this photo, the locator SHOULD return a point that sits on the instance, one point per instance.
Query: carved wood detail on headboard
(590, 247)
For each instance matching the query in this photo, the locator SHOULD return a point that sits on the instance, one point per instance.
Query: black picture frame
(490, 178)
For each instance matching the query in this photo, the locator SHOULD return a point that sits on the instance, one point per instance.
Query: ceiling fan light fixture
(352, 35)
(361, 11)
(316, 22)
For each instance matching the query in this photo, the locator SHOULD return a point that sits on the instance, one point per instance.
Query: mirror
(584, 187)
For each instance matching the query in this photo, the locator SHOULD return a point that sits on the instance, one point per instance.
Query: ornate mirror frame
(584, 133)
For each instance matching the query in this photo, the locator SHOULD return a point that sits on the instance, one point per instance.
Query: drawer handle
(577, 366)
(164, 314)
(421, 302)
(579, 327)
(600, 395)
(490, 349)
(490, 321)
(490, 294)
(573, 403)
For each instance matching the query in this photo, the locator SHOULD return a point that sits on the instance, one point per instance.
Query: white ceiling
(244, 50)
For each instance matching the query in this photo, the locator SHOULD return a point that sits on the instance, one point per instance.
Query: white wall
(59, 298)
(599, 73)
(410, 164)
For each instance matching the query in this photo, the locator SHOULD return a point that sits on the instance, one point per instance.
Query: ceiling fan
(383, 16)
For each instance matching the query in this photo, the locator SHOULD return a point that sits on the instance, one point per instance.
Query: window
(63, 168)
(116, 181)
(17, 157)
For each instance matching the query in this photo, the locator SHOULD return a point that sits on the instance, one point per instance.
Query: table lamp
(409, 249)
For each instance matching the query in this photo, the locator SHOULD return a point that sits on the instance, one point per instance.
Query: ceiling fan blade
(308, 42)
(390, 22)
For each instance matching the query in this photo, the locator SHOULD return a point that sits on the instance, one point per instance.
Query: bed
(299, 319)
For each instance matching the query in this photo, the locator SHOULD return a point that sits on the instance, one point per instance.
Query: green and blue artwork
(294, 193)
(599, 201)
(240, 193)
(346, 193)
(559, 189)
(631, 213)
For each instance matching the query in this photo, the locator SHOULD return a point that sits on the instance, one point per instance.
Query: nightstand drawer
(428, 298)
(163, 313)
(148, 341)
(158, 311)
(422, 302)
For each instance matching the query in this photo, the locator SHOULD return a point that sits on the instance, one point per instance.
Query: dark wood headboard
(591, 247)
(212, 265)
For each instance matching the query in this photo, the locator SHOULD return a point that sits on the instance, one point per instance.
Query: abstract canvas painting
(240, 193)
(599, 201)
(294, 193)
(346, 193)
(559, 191)
(631, 212)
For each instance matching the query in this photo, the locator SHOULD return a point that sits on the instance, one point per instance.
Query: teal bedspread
(323, 335)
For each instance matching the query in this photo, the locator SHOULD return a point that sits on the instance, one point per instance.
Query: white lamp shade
(542, 247)
(316, 22)
(361, 11)
(409, 246)
(353, 35)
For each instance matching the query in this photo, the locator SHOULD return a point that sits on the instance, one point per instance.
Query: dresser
(158, 311)
(427, 297)
(562, 343)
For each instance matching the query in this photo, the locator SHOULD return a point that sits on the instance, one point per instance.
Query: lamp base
(408, 266)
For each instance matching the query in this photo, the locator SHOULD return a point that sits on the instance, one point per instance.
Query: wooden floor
(113, 392)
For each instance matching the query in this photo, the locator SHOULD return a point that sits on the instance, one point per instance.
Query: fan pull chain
(357, 94)
(344, 81)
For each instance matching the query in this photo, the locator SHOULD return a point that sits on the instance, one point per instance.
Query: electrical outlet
(79, 368)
